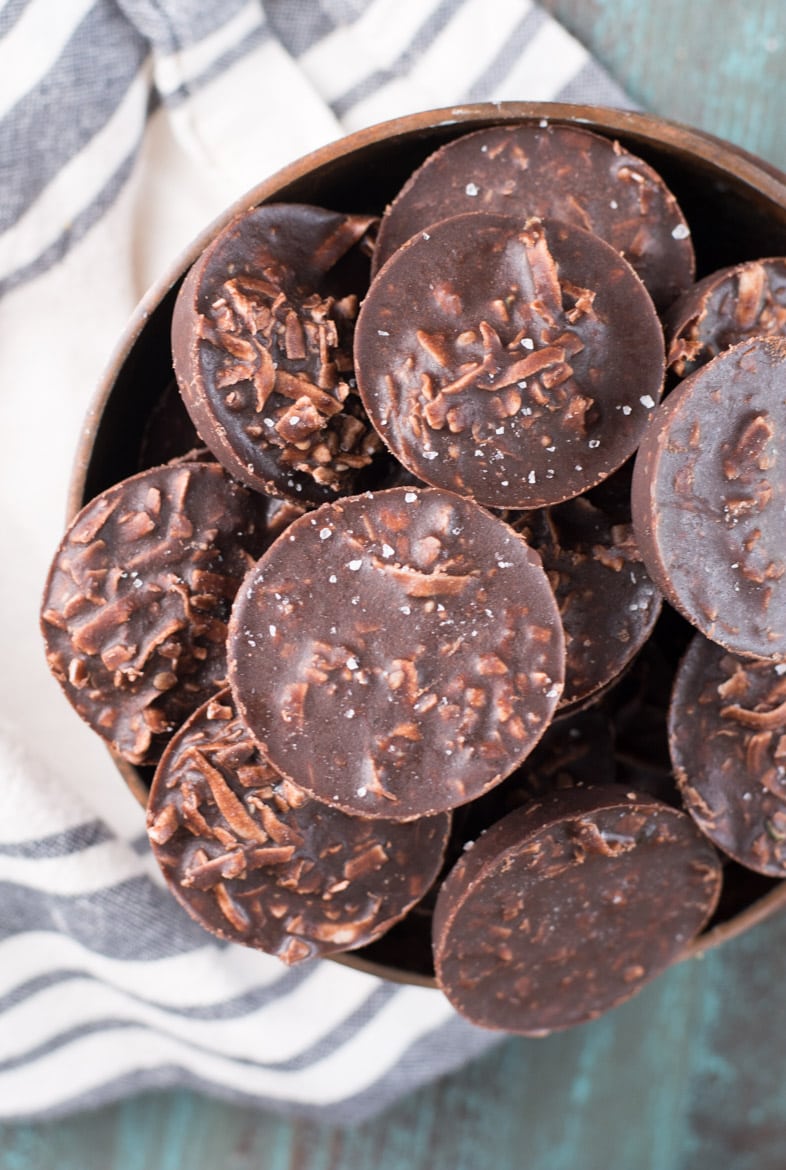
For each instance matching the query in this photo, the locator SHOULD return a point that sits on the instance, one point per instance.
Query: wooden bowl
(734, 203)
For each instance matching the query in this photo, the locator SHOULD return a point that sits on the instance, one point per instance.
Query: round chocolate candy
(262, 347)
(709, 494)
(254, 860)
(559, 172)
(515, 363)
(725, 308)
(397, 654)
(568, 906)
(138, 596)
(727, 733)
(607, 602)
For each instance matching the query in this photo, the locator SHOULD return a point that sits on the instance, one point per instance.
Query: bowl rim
(717, 154)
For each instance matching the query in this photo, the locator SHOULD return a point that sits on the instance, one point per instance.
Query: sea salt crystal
(647, 400)
(325, 533)
(382, 333)
(527, 343)
(387, 550)
(681, 231)
(355, 565)
(410, 497)
(471, 189)
(531, 477)
(626, 409)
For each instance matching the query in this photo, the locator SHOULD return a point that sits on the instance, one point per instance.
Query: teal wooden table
(692, 1073)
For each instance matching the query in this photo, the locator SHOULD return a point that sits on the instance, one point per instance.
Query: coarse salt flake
(681, 231)
(471, 189)
(647, 400)
(527, 343)
(325, 533)
(626, 409)
(531, 477)
(387, 550)
(355, 565)
(410, 497)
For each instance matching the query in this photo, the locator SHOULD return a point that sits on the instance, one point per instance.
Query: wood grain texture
(719, 65)
(690, 1075)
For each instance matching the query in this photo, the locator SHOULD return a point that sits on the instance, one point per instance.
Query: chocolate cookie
(517, 364)
(262, 348)
(607, 602)
(138, 596)
(727, 728)
(397, 654)
(729, 306)
(258, 862)
(558, 172)
(709, 493)
(566, 908)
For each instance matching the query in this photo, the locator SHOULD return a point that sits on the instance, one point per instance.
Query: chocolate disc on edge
(517, 364)
(725, 308)
(262, 348)
(396, 654)
(568, 906)
(254, 860)
(607, 602)
(138, 596)
(557, 172)
(709, 498)
(727, 729)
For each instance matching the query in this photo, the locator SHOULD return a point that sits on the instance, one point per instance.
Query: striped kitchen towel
(125, 126)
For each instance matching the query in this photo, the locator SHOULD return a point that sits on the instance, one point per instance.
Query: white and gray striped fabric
(125, 126)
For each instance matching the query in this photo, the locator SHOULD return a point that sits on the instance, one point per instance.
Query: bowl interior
(736, 207)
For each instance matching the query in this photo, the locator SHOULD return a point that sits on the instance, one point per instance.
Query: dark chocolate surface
(262, 347)
(567, 907)
(256, 861)
(135, 608)
(559, 172)
(727, 729)
(515, 364)
(607, 601)
(397, 654)
(709, 496)
(731, 305)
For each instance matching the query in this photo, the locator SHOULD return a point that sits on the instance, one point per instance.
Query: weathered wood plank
(719, 65)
